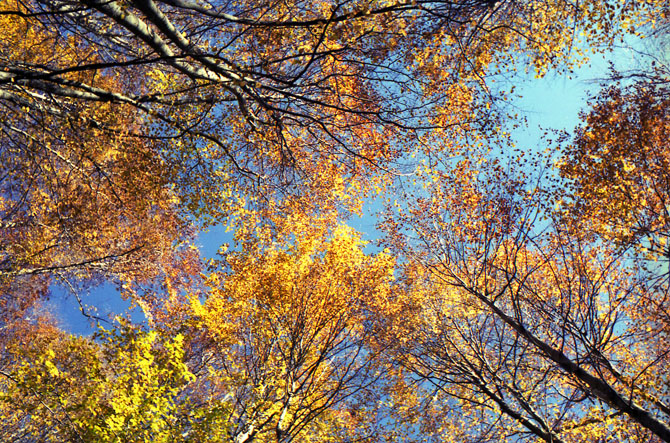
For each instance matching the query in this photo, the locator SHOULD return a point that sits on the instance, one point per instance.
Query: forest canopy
(514, 293)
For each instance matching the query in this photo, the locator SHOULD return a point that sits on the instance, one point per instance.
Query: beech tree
(81, 202)
(535, 318)
(284, 340)
(617, 165)
(509, 305)
(300, 94)
(123, 385)
(278, 351)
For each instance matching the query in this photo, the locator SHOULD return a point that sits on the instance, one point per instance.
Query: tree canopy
(514, 294)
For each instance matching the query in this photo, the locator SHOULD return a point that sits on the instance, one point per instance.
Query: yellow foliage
(286, 322)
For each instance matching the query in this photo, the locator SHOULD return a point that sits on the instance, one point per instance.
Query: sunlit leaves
(513, 317)
(286, 330)
(84, 199)
(122, 386)
(619, 164)
(524, 323)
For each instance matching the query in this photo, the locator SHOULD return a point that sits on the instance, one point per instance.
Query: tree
(618, 166)
(127, 124)
(294, 98)
(279, 350)
(120, 385)
(80, 201)
(532, 326)
(284, 336)
(162, 107)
